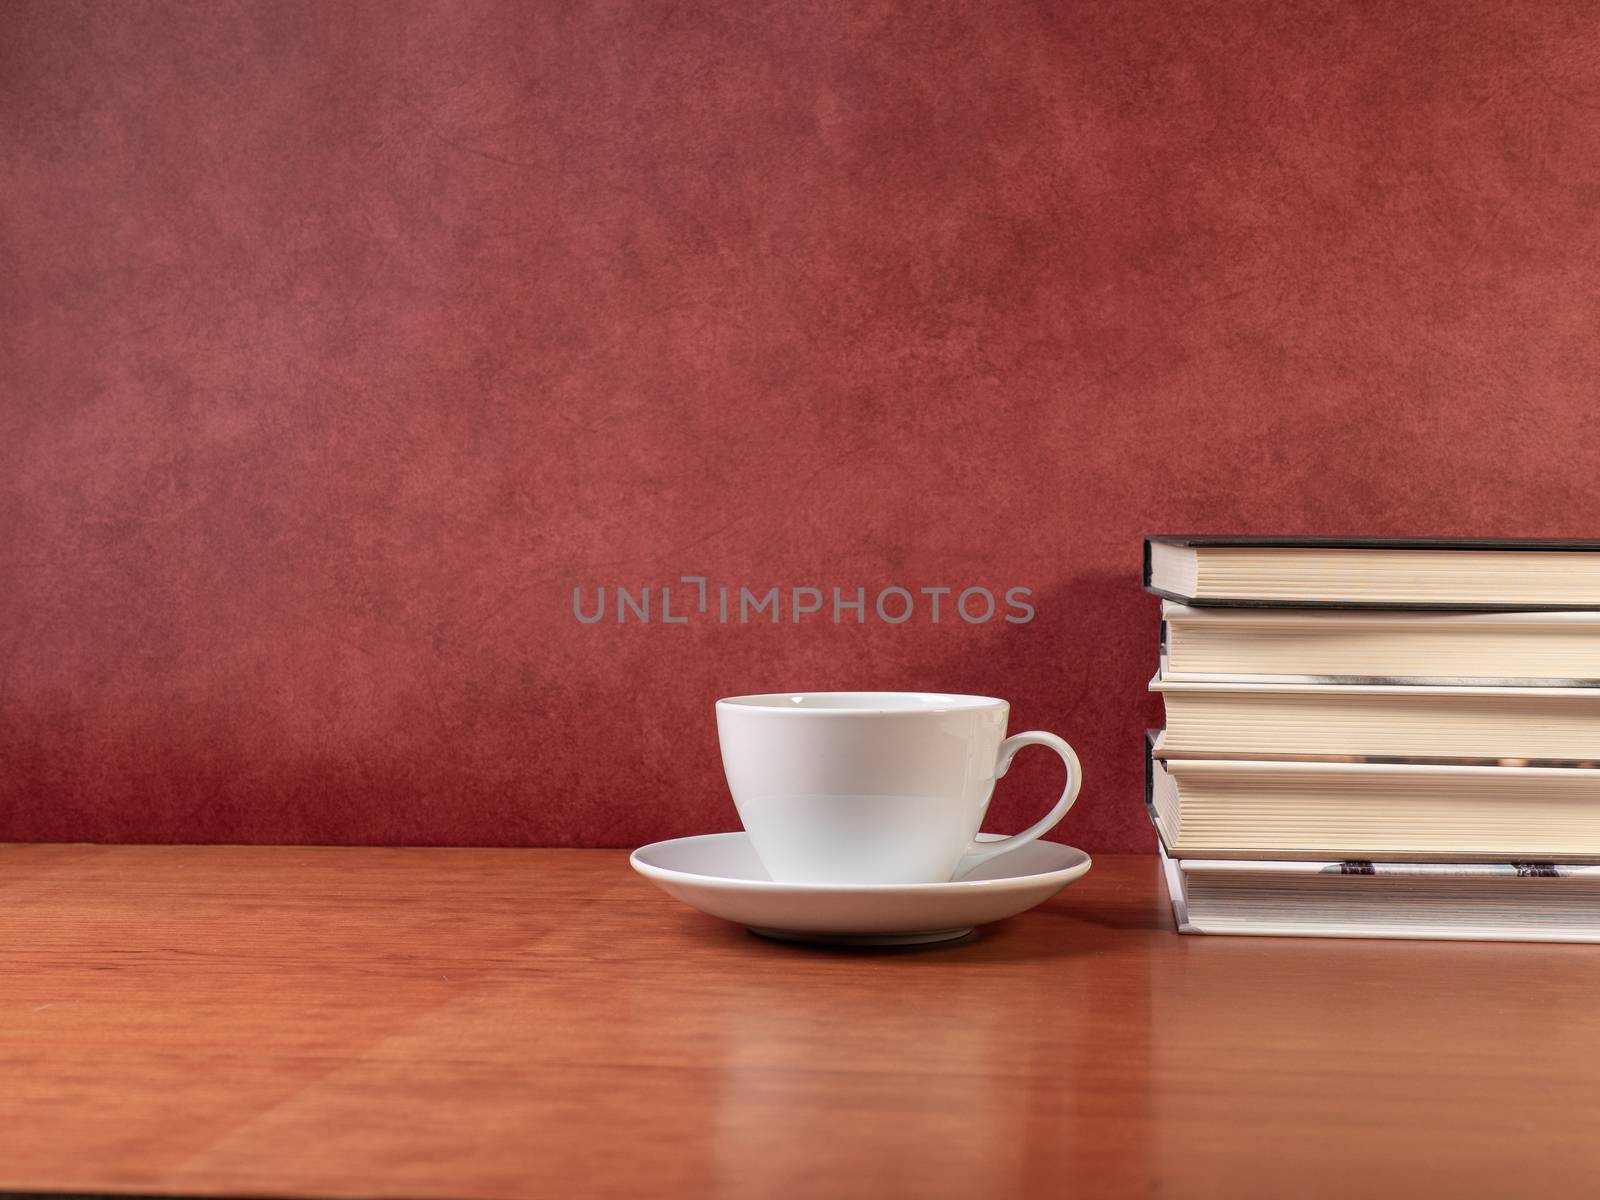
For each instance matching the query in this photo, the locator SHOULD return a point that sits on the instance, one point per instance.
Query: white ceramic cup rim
(861, 704)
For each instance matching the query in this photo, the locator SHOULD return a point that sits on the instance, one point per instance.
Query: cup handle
(980, 852)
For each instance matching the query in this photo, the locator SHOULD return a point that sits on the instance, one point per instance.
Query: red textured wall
(341, 342)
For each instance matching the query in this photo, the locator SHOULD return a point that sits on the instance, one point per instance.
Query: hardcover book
(1207, 808)
(1402, 573)
(1507, 902)
(1285, 645)
(1504, 725)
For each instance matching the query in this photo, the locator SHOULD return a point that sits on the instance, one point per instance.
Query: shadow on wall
(1076, 671)
(525, 774)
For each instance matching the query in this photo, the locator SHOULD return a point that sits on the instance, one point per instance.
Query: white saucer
(718, 873)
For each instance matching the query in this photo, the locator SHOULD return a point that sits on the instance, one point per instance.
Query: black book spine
(1150, 774)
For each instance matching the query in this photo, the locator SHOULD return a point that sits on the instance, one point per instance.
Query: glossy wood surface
(509, 1023)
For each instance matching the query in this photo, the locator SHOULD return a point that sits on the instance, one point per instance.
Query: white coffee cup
(874, 787)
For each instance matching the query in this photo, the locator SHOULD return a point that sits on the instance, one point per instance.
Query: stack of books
(1379, 738)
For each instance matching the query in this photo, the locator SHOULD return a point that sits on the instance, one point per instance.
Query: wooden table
(504, 1023)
